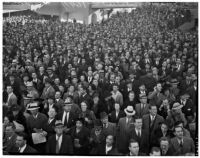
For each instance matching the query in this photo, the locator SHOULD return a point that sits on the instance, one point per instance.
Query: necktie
(181, 143)
(57, 145)
(67, 117)
(139, 133)
(152, 120)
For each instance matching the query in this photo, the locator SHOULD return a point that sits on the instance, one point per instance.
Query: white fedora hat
(129, 110)
(33, 106)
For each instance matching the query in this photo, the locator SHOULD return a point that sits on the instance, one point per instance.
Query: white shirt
(108, 148)
(152, 117)
(50, 106)
(9, 95)
(117, 113)
(64, 116)
(137, 132)
(195, 88)
(50, 120)
(21, 150)
(59, 141)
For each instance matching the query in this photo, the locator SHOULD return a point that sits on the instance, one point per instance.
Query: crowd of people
(126, 86)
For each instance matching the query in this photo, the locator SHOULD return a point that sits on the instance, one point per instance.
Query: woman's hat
(129, 110)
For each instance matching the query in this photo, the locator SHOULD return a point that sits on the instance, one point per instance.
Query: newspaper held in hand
(38, 138)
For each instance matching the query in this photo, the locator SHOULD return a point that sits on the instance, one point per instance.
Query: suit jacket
(38, 85)
(110, 130)
(71, 119)
(143, 140)
(83, 137)
(86, 98)
(139, 154)
(27, 151)
(38, 122)
(151, 129)
(12, 100)
(59, 104)
(8, 143)
(122, 134)
(66, 147)
(49, 128)
(188, 108)
(115, 119)
(50, 91)
(101, 151)
(188, 146)
(139, 111)
(193, 95)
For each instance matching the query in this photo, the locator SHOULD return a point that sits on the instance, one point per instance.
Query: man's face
(164, 145)
(9, 89)
(9, 131)
(115, 88)
(104, 120)
(131, 96)
(159, 87)
(57, 95)
(134, 148)
(109, 140)
(138, 123)
(20, 142)
(59, 130)
(164, 128)
(34, 112)
(153, 110)
(52, 113)
(179, 132)
(67, 108)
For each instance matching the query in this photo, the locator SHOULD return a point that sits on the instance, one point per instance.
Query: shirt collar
(22, 148)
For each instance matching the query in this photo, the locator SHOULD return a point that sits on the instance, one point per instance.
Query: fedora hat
(129, 110)
(15, 107)
(143, 96)
(185, 96)
(68, 101)
(29, 84)
(59, 123)
(174, 81)
(176, 106)
(33, 106)
(103, 115)
(28, 97)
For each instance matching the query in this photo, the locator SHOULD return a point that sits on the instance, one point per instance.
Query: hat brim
(33, 108)
(128, 113)
(179, 107)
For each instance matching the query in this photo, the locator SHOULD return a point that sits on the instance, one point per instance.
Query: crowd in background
(126, 86)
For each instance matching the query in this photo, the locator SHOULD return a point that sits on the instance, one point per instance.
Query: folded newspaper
(38, 138)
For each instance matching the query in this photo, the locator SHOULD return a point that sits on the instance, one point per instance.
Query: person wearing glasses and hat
(124, 125)
(35, 124)
(59, 143)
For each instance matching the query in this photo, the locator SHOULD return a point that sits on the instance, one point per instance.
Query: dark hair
(164, 139)
(136, 118)
(132, 141)
(22, 134)
(151, 105)
(177, 127)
